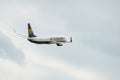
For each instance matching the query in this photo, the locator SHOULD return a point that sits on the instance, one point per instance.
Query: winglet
(70, 39)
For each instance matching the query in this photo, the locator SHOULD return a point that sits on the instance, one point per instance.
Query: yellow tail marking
(30, 31)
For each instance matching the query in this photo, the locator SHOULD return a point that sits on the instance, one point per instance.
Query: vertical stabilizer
(30, 31)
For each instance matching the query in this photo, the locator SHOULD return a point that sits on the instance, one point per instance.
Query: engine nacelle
(59, 44)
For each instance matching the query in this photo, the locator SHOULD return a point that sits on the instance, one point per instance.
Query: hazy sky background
(93, 55)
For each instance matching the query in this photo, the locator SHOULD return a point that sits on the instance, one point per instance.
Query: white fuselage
(51, 40)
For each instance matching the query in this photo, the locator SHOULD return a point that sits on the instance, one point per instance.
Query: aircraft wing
(20, 35)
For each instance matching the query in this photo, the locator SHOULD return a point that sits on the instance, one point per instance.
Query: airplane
(59, 41)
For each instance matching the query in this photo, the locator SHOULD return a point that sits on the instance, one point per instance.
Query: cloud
(35, 66)
(13, 71)
(9, 51)
(94, 26)
(60, 67)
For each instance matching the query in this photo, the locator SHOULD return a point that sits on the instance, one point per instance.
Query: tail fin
(30, 31)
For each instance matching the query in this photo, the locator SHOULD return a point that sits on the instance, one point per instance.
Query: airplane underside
(46, 42)
(40, 42)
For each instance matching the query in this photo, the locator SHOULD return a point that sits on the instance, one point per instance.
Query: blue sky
(93, 55)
